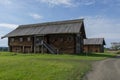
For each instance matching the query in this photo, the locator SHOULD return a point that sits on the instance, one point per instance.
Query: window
(37, 39)
(28, 39)
(12, 39)
(70, 39)
(64, 38)
(61, 39)
(96, 51)
(56, 39)
(21, 39)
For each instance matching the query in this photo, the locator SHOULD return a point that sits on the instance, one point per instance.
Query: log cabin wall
(93, 48)
(65, 43)
(21, 44)
(102, 48)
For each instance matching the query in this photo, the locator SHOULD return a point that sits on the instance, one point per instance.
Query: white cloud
(52, 3)
(69, 3)
(4, 29)
(36, 16)
(6, 25)
(3, 42)
(5, 2)
(101, 26)
(107, 35)
(87, 2)
(74, 3)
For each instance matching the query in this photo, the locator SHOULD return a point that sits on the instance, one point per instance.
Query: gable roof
(68, 26)
(94, 41)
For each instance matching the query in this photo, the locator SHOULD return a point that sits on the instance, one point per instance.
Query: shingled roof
(68, 26)
(94, 41)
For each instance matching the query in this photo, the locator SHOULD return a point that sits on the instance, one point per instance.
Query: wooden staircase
(50, 48)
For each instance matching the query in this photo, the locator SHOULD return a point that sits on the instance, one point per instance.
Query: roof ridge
(53, 23)
(95, 38)
(96, 41)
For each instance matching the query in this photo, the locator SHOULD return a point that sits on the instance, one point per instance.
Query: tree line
(3, 48)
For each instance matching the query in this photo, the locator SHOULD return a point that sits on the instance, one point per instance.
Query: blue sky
(101, 17)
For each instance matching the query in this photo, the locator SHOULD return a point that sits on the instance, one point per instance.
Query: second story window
(28, 39)
(21, 39)
(12, 39)
(70, 38)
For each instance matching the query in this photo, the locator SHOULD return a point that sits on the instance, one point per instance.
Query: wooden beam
(23, 49)
(34, 44)
(78, 44)
(42, 47)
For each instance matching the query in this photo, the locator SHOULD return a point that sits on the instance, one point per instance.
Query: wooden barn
(94, 45)
(50, 37)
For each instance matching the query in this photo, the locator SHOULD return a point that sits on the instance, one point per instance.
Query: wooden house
(94, 45)
(50, 37)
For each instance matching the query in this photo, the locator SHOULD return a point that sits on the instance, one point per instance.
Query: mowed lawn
(46, 66)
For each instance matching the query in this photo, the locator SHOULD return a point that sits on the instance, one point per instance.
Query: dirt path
(108, 69)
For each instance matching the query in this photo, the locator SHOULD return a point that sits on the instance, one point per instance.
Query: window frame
(12, 40)
(28, 39)
(21, 39)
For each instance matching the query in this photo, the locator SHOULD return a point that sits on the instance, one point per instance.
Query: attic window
(21, 39)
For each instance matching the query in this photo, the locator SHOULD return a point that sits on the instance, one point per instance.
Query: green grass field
(46, 66)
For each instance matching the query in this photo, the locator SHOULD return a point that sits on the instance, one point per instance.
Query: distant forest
(3, 48)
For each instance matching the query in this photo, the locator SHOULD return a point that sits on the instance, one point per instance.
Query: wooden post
(23, 49)
(9, 48)
(78, 44)
(42, 44)
(42, 47)
(34, 44)
(31, 49)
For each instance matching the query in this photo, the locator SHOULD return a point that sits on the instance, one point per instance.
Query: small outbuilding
(94, 45)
